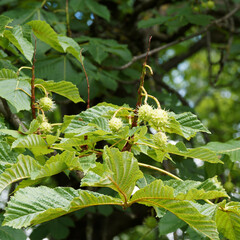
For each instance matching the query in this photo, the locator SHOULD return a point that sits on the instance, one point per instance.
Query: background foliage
(194, 56)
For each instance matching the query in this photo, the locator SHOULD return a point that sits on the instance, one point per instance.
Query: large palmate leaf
(201, 153)
(230, 148)
(228, 219)
(121, 173)
(156, 194)
(33, 142)
(185, 124)
(64, 88)
(15, 36)
(11, 89)
(18, 171)
(31, 206)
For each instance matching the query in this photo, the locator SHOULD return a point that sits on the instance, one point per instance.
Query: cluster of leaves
(91, 145)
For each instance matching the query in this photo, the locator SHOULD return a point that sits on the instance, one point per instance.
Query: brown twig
(88, 84)
(128, 146)
(155, 50)
(32, 81)
(12, 118)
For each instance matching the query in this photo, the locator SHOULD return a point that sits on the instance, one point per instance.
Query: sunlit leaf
(31, 206)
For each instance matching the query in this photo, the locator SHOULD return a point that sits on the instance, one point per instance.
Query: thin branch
(88, 84)
(155, 50)
(12, 118)
(127, 146)
(69, 32)
(159, 170)
(33, 80)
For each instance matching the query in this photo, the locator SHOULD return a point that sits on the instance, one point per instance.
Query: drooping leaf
(20, 42)
(45, 33)
(18, 171)
(230, 148)
(228, 219)
(11, 89)
(156, 194)
(70, 46)
(201, 153)
(33, 142)
(64, 88)
(185, 124)
(195, 190)
(31, 206)
(121, 173)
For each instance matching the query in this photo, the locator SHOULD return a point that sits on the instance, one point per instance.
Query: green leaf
(31, 206)
(20, 42)
(63, 88)
(11, 89)
(4, 21)
(34, 125)
(194, 190)
(98, 9)
(33, 142)
(45, 33)
(7, 233)
(57, 164)
(78, 123)
(70, 46)
(170, 223)
(18, 171)
(88, 162)
(7, 156)
(201, 153)
(121, 173)
(228, 219)
(189, 125)
(230, 148)
(152, 21)
(199, 19)
(156, 194)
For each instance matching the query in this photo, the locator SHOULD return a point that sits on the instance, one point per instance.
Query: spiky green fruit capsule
(145, 112)
(41, 118)
(115, 124)
(150, 222)
(160, 139)
(45, 127)
(159, 118)
(46, 104)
